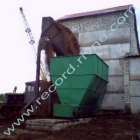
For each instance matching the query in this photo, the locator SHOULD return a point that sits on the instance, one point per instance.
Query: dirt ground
(104, 127)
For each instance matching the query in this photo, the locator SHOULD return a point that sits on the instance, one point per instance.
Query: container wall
(82, 85)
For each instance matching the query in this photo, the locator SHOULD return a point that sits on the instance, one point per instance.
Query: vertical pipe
(38, 74)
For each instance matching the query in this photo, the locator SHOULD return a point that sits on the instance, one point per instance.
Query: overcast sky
(16, 57)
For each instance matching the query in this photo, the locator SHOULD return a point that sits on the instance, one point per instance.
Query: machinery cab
(30, 90)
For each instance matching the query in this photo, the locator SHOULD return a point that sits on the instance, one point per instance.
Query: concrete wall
(96, 35)
(135, 84)
(88, 38)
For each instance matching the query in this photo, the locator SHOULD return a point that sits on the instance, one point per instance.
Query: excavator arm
(54, 38)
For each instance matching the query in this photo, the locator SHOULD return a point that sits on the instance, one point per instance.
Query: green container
(80, 82)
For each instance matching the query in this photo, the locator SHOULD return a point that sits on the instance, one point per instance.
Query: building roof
(103, 11)
(33, 82)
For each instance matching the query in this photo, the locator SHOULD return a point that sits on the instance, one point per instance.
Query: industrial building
(112, 35)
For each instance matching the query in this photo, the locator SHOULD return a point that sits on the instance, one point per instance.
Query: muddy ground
(105, 127)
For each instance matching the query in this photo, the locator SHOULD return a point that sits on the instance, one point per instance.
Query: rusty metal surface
(97, 12)
(131, 55)
(54, 38)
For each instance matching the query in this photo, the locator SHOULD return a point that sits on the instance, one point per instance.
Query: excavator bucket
(51, 34)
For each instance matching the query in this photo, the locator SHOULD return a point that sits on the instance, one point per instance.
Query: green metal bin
(80, 82)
